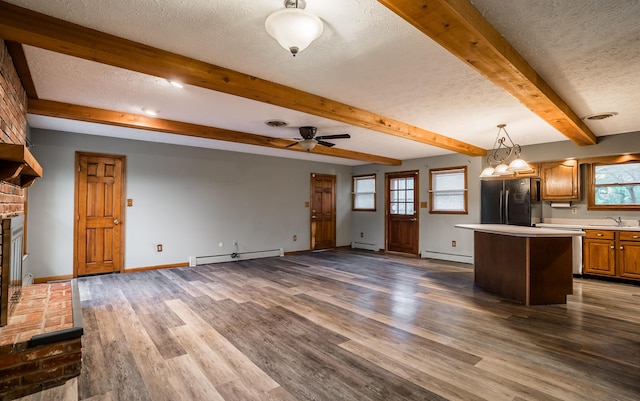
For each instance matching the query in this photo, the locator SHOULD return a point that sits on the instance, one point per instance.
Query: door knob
(116, 222)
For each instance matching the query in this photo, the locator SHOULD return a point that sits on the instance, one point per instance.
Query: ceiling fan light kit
(502, 152)
(293, 27)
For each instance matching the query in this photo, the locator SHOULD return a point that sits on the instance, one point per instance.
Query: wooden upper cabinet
(560, 180)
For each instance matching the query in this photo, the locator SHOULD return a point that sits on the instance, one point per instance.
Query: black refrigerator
(510, 201)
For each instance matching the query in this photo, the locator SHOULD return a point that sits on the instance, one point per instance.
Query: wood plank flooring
(349, 325)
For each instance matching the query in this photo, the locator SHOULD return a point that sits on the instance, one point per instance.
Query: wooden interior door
(402, 212)
(323, 211)
(99, 236)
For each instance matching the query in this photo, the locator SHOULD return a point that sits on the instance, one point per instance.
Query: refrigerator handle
(506, 207)
(501, 206)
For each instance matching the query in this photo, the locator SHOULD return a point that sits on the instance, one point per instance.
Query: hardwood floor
(346, 325)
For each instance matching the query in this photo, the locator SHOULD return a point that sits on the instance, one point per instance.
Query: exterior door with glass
(402, 223)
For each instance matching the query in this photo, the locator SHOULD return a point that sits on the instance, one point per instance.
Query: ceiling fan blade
(323, 143)
(336, 136)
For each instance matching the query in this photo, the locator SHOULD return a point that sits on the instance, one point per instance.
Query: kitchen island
(529, 265)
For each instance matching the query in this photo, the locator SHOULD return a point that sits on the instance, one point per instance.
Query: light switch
(129, 202)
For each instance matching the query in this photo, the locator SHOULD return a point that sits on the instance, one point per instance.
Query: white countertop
(520, 231)
(586, 227)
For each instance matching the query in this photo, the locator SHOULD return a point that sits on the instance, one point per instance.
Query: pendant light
(293, 27)
(500, 155)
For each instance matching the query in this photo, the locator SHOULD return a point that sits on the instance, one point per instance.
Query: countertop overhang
(520, 231)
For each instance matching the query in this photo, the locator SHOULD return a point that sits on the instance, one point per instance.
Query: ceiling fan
(309, 139)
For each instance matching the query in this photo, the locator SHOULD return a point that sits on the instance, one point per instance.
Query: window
(448, 190)
(614, 186)
(364, 192)
(402, 195)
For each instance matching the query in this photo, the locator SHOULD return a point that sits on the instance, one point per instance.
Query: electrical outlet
(295, 238)
(221, 245)
(453, 244)
(574, 210)
(159, 247)
(129, 202)
(361, 235)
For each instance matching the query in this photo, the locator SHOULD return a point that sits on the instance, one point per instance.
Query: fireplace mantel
(17, 162)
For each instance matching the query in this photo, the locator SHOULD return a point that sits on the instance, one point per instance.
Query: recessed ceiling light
(276, 123)
(600, 116)
(175, 83)
(150, 112)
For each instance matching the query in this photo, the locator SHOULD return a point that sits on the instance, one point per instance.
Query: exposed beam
(22, 68)
(460, 28)
(39, 30)
(101, 116)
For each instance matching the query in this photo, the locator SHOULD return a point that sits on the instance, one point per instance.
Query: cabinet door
(629, 259)
(560, 180)
(599, 257)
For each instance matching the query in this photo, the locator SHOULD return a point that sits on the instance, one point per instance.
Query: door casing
(415, 234)
(119, 210)
(323, 211)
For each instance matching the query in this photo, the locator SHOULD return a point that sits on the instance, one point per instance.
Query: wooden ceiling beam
(101, 116)
(22, 68)
(39, 30)
(460, 28)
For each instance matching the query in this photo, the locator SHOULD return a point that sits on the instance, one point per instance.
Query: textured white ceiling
(368, 57)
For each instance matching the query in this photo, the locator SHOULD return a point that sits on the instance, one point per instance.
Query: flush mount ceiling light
(502, 152)
(293, 27)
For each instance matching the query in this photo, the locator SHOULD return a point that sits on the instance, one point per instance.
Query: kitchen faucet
(618, 220)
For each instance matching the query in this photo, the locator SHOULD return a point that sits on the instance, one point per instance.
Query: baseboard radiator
(364, 245)
(230, 257)
(450, 257)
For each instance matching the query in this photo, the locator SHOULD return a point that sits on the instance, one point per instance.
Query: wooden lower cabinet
(629, 254)
(612, 253)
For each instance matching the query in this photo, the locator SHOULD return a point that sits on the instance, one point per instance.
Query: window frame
(354, 194)
(591, 182)
(433, 193)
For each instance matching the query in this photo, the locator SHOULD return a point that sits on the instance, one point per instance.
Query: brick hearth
(41, 345)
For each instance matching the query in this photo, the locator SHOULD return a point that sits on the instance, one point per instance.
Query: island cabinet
(612, 253)
(529, 265)
(560, 180)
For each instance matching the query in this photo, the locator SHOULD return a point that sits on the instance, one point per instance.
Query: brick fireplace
(40, 337)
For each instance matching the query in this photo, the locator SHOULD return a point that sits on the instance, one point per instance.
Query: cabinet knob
(598, 234)
(621, 247)
(613, 247)
(635, 236)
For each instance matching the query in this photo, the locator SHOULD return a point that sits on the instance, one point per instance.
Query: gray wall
(191, 199)
(188, 199)
(437, 230)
